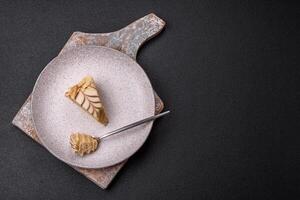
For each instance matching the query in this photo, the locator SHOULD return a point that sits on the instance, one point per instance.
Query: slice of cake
(86, 95)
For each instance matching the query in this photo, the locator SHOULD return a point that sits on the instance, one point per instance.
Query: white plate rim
(32, 109)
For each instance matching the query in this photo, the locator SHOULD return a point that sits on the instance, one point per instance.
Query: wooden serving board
(127, 40)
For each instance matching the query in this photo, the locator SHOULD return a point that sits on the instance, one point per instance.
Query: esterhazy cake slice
(86, 95)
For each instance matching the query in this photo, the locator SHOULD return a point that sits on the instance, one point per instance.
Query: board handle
(127, 40)
(135, 34)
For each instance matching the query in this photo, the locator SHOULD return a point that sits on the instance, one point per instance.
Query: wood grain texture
(127, 40)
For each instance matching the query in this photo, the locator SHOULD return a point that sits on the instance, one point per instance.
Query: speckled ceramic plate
(126, 93)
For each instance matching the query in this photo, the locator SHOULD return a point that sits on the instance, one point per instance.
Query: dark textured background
(228, 70)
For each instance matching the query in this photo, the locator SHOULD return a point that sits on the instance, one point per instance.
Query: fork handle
(134, 124)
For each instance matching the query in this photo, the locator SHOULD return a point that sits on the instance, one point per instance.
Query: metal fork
(129, 126)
